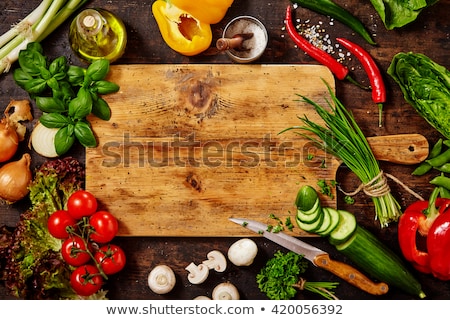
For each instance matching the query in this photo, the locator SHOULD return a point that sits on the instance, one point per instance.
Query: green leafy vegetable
(426, 86)
(66, 94)
(280, 278)
(34, 268)
(398, 13)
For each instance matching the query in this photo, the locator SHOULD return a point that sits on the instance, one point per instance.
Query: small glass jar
(97, 34)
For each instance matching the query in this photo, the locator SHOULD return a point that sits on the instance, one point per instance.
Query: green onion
(342, 138)
(48, 16)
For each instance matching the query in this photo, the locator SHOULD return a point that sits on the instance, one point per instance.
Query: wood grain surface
(429, 34)
(189, 146)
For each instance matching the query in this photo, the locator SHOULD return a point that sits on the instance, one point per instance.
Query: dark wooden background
(429, 34)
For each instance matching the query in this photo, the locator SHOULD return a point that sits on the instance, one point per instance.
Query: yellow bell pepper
(208, 11)
(181, 31)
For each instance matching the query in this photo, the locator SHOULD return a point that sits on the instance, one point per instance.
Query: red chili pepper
(337, 68)
(372, 70)
(432, 220)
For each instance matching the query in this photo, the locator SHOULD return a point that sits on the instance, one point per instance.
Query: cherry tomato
(86, 280)
(111, 257)
(73, 251)
(105, 227)
(81, 204)
(58, 222)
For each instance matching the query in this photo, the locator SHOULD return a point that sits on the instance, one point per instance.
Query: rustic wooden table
(429, 34)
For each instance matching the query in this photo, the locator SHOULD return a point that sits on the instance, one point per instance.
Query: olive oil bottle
(97, 34)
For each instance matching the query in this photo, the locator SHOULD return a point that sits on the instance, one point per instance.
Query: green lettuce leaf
(398, 13)
(425, 86)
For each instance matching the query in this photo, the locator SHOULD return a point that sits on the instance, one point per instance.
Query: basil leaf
(35, 86)
(32, 60)
(54, 120)
(21, 77)
(98, 69)
(105, 87)
(81, 106)
(75, 75)
(65, 92)
(53, 84)
(100, 109)
(50, 104)
(84, 134)
(58, 68)
(63, 141)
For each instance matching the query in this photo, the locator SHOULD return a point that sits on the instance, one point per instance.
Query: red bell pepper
(432, 220)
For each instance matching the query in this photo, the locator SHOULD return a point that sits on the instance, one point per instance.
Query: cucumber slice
(334, 221)
(345, 228)
(309, 217)
(313, 210)
(325, 222)
(310, 227)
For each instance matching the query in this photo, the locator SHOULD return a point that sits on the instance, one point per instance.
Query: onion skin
(15, 177)
(9, 140)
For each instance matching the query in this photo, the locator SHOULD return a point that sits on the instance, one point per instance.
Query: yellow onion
(15, 177)
(9, 140)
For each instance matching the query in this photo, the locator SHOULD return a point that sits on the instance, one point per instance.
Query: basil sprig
(66, 94)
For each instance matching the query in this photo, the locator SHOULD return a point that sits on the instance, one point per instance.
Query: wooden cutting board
(189, 146)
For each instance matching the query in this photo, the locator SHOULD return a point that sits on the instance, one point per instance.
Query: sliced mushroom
(243, 252)
(197, 274)
(216, 260)
(161, 279)
(225, 291)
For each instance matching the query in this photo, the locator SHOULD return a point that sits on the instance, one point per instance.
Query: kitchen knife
(318, 257)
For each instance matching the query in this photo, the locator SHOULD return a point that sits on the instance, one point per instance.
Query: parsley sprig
(280, 278)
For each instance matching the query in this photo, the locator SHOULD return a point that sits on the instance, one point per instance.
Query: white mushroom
(161, 279)
(243, 252)
(225, 291)
(216, 260)
(202, 298)
(197, 274)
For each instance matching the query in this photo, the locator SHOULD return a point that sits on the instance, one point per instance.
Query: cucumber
(310, 227)
(380, 262)
(345, 228)
(307, 197)
(309, 217)
(334, 221)
(326, 221)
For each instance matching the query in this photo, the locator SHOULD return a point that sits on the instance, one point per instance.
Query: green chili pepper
(424, 167)
(329, 8)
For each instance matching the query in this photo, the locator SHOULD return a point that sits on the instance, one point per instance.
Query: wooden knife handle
(400, 148)
(350, 274)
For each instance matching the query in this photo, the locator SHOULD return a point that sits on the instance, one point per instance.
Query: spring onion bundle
(342, 138)
(49, 15)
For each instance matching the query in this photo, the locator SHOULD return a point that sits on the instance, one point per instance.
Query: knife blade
(318, 257)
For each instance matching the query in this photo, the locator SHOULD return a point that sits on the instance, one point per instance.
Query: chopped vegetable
(425, 86)
(398, 13)
(48, 16)
(66, 95)
(280, 278)
(343, 138)
(357, 243)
